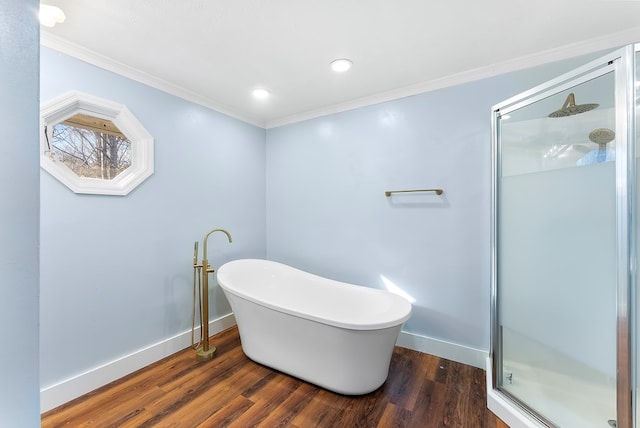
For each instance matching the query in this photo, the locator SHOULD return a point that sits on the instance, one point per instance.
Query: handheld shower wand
(204, 351)
(195, 253)
(197, 297)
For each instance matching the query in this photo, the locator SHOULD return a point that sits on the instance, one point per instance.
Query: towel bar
(437, 191)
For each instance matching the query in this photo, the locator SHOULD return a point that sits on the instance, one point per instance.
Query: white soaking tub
(335, 335)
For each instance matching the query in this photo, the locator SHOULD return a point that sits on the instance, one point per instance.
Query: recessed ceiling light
(51, 15)
(341, 65)
(260, 93)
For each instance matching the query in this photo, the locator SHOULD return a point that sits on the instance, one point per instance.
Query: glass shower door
(556, 252)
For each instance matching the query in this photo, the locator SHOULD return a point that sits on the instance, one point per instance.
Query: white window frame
(61, 108)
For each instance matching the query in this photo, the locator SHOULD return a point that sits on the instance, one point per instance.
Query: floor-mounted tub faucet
(201, 271)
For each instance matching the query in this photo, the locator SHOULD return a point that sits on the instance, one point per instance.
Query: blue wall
(19, 387)
(116, 272)
(327, 212)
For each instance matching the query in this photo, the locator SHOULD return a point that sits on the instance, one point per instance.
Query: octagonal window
(91, 147)
(94, 146)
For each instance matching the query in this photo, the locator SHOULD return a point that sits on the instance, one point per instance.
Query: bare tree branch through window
(91, 153)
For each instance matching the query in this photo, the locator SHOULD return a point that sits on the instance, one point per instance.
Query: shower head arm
(569, 102)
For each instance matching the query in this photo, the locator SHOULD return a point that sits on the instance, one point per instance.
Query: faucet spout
(206, 237)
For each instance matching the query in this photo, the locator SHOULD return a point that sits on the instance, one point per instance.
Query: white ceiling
(215, 52)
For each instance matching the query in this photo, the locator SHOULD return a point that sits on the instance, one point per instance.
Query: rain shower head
(569, 108)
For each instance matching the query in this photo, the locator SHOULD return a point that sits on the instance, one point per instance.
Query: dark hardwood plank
(233, 391)
(293, 405)
(395, 416)
(406, 375)
(429, 411)
(455, 387)
(268, 395)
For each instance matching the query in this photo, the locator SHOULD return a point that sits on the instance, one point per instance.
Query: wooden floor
(233, 391)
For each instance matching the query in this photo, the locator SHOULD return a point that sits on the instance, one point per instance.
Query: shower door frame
(621, 63)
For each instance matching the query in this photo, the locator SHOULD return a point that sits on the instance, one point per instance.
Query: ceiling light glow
(50, 15)
(260, 93)
(341, 65)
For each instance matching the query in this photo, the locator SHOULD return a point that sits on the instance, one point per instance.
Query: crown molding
(610, 41)
(91, 57)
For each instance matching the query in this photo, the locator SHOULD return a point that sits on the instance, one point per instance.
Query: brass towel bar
(437, 191)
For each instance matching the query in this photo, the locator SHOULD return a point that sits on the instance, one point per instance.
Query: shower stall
(565, 212)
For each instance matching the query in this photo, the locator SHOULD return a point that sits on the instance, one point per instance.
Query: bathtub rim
(397, 300)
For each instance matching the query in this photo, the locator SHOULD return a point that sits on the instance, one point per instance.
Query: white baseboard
(440, 348)
(54, 395)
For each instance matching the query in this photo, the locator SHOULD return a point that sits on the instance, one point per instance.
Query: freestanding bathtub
(335, 335)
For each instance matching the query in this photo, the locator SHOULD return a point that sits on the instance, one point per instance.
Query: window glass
(91, 147)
